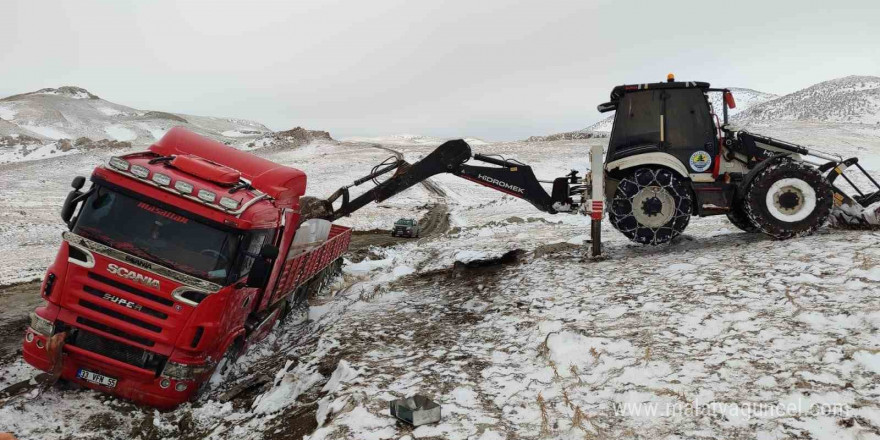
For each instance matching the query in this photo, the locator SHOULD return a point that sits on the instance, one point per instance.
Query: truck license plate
(100, 379)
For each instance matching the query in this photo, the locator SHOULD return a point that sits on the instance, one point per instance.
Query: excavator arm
(510, 177)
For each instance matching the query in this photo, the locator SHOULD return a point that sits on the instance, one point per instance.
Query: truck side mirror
(262, 267)
(73, 199)
(78, 182)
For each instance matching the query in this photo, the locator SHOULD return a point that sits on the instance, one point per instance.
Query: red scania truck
(176, 259)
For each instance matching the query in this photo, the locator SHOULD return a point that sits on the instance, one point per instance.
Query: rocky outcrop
(163, 115)
(572, 135)
(85, 143)
(292, 138)
(9, 141)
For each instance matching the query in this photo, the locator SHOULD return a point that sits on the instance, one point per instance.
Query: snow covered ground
(721, 334)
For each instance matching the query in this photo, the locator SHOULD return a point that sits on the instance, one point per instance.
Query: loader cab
(672, 118)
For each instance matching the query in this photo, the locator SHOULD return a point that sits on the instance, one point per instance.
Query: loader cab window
(689, 125)
(636, 123)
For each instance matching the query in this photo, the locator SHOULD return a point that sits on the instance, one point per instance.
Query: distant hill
(65, 120)
(852, 99)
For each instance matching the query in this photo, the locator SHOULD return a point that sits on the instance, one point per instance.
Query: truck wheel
(737, 215)
(651, 206)
(788, 199)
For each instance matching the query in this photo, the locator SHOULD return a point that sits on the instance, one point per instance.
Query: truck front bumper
(132, 383)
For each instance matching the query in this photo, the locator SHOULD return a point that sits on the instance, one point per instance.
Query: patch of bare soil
(18, 301)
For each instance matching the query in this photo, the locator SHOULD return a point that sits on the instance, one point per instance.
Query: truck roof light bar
(185, 189)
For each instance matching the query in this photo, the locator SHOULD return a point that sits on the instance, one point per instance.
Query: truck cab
(175, 258)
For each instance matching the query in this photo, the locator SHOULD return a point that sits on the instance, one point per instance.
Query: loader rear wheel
(651, 206)
(788, 199)
(737, 215)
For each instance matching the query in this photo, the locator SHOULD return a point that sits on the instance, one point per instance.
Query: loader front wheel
(651, 206)
(788, 199)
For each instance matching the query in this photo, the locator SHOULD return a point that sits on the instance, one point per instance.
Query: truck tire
(788, 199)
(233, 352)
(651, 206)
(737, 215)
(296, 310)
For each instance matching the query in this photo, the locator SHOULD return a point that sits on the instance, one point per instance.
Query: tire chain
(622, 210)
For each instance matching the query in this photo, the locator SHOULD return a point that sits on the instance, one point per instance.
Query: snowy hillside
(852, 99)
(603, 126)
(52, 122)
(745, 99)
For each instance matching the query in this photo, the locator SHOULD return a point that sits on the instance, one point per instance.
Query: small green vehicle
(405, 227)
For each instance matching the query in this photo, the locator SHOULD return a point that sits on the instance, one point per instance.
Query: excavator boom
(510, 177)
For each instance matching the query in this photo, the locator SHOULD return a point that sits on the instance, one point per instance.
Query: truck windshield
(158, 235)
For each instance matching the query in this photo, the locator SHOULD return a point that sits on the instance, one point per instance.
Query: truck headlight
(118, 163)
(183, 187)
(161, 179)
(41, 325)
(228, 203)
(140, 171)
(207, 196)
(180, 371)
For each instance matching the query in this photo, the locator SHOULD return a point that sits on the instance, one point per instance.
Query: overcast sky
(487, 68)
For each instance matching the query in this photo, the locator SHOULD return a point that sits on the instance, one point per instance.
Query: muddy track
(435, 222)
(432, 224)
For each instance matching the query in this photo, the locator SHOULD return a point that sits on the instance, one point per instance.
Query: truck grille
(125, 287)
(143, 309)
(116, 350)
(120, 316)
(115, 332)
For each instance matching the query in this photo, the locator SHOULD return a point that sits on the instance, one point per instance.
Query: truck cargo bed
(301, 264)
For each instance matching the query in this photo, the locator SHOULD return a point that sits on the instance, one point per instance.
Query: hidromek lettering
(502, 184)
